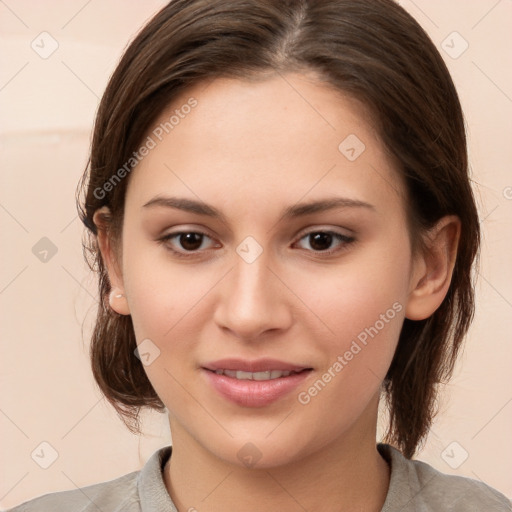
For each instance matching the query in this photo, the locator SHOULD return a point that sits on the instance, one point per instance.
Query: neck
(348, 472)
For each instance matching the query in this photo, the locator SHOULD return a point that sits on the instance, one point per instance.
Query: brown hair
(372, 50)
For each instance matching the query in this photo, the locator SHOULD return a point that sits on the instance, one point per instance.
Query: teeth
(274, 374)
(241, 375)
(262, 375)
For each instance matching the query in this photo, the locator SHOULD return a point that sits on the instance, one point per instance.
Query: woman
(281, 218)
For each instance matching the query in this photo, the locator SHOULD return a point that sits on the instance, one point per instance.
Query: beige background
(47, 108)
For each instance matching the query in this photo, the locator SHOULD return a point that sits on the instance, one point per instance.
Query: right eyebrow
(188, 205)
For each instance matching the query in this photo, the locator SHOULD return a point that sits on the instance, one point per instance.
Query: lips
(254, 383)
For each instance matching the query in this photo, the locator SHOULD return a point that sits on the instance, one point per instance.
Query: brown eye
(322, 241)
(190, 241)
(186, 243)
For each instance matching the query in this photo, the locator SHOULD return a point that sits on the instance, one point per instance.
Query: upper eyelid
(324, 229)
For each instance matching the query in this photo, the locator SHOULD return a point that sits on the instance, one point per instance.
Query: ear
(117, 298)
(433, 269)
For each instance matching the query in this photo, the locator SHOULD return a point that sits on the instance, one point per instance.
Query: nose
(253, 301)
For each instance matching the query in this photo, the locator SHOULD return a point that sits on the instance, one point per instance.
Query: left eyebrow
(301, 209)
(294, 211)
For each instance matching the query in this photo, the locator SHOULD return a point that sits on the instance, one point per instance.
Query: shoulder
(138, 491)
(415, 485)
(115, 495)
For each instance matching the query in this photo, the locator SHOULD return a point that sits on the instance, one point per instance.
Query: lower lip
(254, 393)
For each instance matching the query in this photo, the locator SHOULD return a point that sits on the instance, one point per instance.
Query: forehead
(272, 140)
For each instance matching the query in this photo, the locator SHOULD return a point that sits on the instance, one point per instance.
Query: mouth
(262, 369)
(254, 383)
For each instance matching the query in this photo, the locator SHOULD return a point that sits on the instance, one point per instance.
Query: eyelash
(346, 240)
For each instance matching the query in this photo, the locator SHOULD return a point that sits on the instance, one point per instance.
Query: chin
(262, 451)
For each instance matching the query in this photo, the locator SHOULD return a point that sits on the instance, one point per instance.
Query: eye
(188, 242)
(321, 241)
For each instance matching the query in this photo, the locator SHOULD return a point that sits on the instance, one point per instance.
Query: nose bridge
(251, 278)
(252, 302)
(251, 273)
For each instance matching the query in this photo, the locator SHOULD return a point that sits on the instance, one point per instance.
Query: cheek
(365, 321)
(350, 298)
(363, 305)
(364, 324)
(154, 307)
(159, 294)
(164, 304)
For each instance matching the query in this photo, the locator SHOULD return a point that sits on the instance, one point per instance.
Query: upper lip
(259, 365)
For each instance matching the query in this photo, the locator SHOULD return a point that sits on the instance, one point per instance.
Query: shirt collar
(154, 497)
(153, 493)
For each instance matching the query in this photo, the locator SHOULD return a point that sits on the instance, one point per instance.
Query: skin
(251, 149)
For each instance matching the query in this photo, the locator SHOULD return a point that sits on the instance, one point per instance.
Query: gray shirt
(414, 486)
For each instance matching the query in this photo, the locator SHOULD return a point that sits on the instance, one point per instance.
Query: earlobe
(433, 269)
(117, 299)
(118, 302)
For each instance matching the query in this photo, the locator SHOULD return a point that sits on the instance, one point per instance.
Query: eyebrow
(291, 212)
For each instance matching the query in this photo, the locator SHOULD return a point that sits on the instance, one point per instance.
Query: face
(268, 323)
